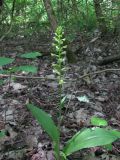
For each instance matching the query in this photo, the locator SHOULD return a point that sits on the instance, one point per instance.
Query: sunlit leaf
(31, 55)
(27, 68)
(116, 133)
(98, 121)
(5, 61)
(89, 138)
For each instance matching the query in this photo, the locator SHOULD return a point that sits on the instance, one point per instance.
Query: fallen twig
(47, 78)
(100, 71)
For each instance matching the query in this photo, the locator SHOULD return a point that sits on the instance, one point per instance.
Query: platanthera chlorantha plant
(89, 137)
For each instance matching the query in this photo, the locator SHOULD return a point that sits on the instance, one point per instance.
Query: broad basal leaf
(45, 121)
(116, 133)
(98, 121)
(28, 69)
(5, 61)
(89, 138)
(31, 55)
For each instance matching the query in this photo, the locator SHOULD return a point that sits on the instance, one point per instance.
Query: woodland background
(92, 32)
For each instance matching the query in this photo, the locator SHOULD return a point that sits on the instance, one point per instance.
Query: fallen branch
(109, 59)
(47, 78)
(98, 72)
(25, 77)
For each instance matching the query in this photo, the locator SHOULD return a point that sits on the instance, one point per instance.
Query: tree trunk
(109, 59)
(75, 7)
(51, 14)
(100, 16)
(1, 3)
(60, 10)
(117, 22)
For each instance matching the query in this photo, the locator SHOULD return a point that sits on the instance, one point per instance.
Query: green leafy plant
(89, 137)
(26, 68)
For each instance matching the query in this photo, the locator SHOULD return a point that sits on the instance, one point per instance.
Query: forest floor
(27, 140)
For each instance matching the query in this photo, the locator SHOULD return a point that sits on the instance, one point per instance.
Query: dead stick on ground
(46, 78)
(99, 72)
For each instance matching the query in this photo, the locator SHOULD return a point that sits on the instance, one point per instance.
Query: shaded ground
(27, 140)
